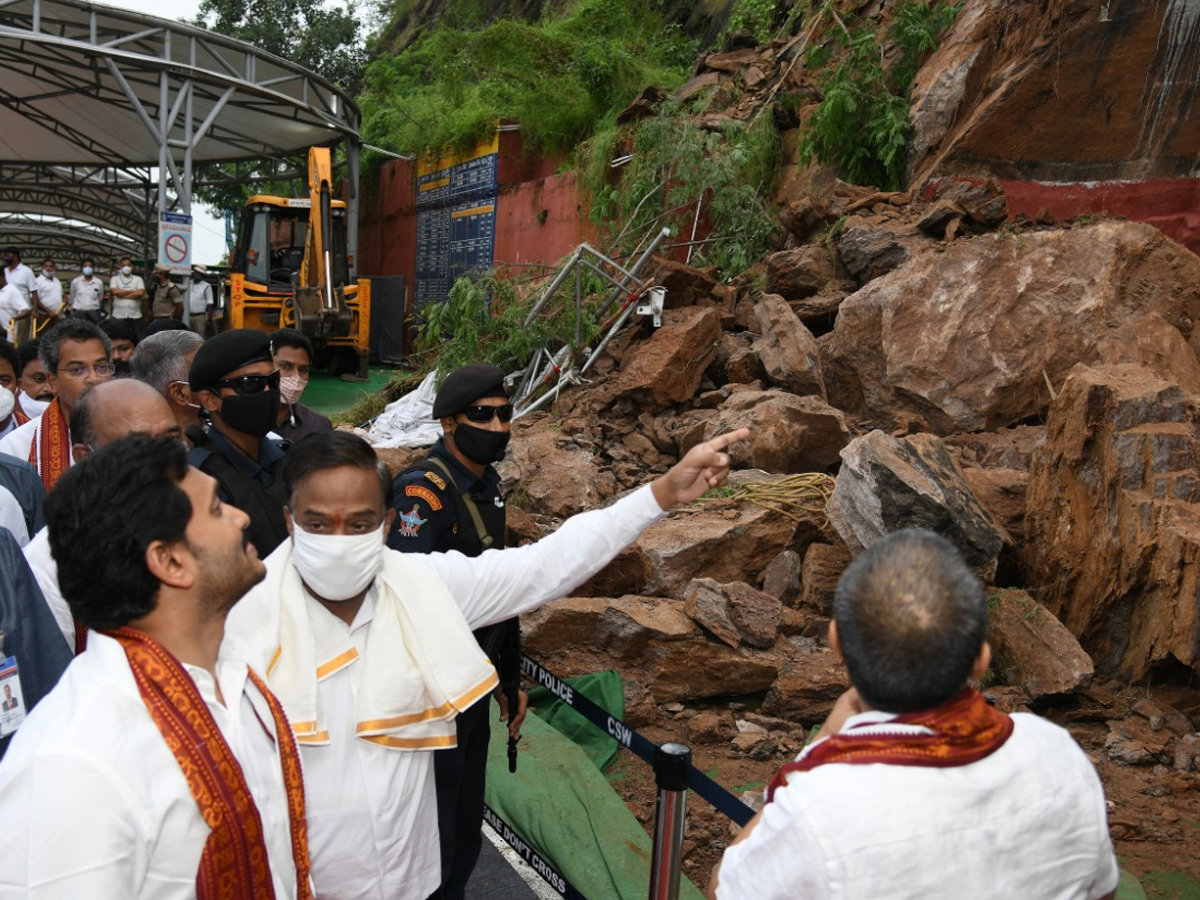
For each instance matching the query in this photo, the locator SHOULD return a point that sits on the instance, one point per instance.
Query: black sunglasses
(250, 384)
(482, 414)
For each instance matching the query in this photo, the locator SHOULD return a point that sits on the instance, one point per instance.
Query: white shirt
(50, 293)
(45, 570)
(372, 811)
(123, 308)
(21, 277)
(86, 293)
(18, 443)
(1027, 821)
(94, 803)
(199, 297)
(12, 516)
(12, 304)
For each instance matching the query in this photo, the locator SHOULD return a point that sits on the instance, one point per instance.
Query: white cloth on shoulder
(421, 667)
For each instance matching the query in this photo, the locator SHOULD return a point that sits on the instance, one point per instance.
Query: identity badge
(12, 702)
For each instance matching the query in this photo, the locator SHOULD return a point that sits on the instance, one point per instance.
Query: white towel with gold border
(421, 665)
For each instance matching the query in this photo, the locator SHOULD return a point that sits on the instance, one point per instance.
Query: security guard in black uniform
(234, 379)
(451, 501)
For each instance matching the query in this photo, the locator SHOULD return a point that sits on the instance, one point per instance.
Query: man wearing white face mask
(292, 354)
(128, 293)
(370, 650)
(86, 293)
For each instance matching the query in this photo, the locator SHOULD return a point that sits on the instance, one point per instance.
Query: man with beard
(151, 770)
(233, 377)
(124, 339)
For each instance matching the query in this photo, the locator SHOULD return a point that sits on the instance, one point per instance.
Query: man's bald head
(911, 620)
(116, 409)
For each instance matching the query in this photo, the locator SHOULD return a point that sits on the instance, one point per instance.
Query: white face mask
(337, 566)
(49, 273)
(87, 270)
(292, 386)
(126, 270)
(33, 408)
(7, 403)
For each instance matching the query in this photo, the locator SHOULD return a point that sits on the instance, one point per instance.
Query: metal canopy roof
(67, 242)
(91, 97)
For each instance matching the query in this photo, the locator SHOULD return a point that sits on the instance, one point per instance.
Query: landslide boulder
(886, 484)
(555, 475)
(787, 349)
(1112, 527)
(1032, 650)
(966, 339)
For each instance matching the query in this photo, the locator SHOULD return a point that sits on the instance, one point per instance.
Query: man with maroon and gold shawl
(151, 771)
(915, 787)
(76, 354)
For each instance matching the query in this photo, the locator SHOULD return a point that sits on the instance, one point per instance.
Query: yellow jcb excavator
(289, 269)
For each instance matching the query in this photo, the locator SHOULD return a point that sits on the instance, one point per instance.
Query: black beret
(465, 385)
(229, 350)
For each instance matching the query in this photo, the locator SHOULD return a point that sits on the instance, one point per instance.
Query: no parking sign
(175, 242)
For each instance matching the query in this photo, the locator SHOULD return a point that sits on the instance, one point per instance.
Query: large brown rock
(706, 604)
(1112, 527)
(810, 679)
(787, 348)
(755, 614)
(721, 540)
(1032, 650)
(822, 569)
(796, 274)
(788, 434)
(667, 368)
(553, 474)
(886, 484)
(651, 641)
(966, 340)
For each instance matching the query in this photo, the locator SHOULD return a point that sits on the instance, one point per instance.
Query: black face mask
(122, 369)
(479, 445)
(252, 414)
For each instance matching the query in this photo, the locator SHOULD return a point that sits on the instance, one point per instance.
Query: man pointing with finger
(371, 652)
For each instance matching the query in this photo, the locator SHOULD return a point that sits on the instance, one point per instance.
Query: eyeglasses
(78, 370)
(482, 414)
(250, 384)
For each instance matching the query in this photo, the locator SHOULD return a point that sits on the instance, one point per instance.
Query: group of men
(242, 686)
(30, 303)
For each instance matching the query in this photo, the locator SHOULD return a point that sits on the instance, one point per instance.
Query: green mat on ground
(560, 803)
(1129, 888)
(602, 688)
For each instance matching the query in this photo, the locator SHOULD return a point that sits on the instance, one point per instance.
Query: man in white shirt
(371, 652)
(200, 300)
(49, 291)
(86, 293)
(99, 802)
(128, 293)
(20, 276)
(915, 787)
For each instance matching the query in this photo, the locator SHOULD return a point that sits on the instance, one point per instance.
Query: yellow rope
(792, 496)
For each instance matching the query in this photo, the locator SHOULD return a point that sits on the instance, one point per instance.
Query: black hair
(332, 450)
(103, 513)
(911, 618)
(72, 329)
(120, 329)
(290, 337)
(14, 251)
(9, 352)
(27, 353)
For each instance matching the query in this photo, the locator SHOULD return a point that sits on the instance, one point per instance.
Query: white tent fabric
(409, 421)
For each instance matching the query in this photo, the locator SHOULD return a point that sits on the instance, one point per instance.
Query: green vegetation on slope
(558, 77)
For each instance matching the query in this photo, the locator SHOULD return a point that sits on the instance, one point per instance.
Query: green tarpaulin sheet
(561, 804)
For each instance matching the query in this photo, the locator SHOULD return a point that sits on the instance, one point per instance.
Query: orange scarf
(50, 451)
(965, 730)
(234, 864)
(19, 416)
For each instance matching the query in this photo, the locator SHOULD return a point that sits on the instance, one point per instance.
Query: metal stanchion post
(670, 774)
